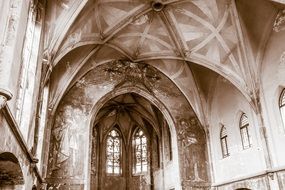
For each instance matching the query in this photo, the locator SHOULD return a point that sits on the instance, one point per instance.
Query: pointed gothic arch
(160, 107)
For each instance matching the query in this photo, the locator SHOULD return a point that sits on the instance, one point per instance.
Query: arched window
(243, 126)
(282, 106)
(113, 153)
(224, 142)
(140, 156)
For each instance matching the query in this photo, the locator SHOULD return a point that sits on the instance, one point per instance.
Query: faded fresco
(193, 159)
(70, 132)
(69, 144)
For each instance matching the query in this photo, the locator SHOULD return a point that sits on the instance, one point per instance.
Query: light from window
(113, 151)
(282, 106)
(224, 143)
(140, 152)
(244, 124)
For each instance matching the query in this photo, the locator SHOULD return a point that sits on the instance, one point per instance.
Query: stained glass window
(224, 142)
(244, 131)
(140, 152)
(113, 151)
(282, 106)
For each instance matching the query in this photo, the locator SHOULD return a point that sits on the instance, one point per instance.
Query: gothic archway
(130, 142)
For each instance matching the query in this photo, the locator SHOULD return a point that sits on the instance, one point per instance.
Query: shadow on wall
(11, 176)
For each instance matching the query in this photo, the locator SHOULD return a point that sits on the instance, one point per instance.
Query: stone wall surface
(9, 144)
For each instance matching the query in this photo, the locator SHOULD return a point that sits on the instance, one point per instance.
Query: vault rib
(171, 25)
(67, 20)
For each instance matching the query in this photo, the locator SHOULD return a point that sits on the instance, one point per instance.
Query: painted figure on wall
(193, 150)
(60, 142)
(66, 140)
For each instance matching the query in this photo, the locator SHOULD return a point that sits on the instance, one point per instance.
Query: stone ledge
(251, 176)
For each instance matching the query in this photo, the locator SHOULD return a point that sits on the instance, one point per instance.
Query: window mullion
(113, 155)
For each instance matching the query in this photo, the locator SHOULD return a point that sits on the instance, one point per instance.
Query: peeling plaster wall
(226, 109)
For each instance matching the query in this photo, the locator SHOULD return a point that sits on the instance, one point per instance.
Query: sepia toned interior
(142, 94)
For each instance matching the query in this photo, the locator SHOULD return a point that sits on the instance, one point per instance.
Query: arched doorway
(130, 141)
(11, 176)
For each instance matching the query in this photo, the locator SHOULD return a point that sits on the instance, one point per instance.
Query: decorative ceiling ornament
(282, 58)
(279, 23)
(157, 5)
(141, 20)
(133, 73)
(64, 3)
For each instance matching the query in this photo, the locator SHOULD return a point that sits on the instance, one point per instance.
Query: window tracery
(140, 152)
(113, 153)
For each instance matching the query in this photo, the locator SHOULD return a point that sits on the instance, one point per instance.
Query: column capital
(5, 96)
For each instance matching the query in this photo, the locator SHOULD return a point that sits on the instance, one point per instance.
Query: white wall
(226, 108)
(273, 81)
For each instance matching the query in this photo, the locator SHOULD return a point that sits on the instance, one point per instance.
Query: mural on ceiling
(203, 31)
(70, 132)
(134, 73)
(176, 70)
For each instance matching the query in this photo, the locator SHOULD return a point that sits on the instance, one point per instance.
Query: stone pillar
(12, 17)
(5, 94)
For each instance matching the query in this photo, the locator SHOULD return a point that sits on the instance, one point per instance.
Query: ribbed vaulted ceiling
(127, 110)
(170, 35)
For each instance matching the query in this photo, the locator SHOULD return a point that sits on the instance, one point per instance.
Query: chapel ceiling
(128, 110)
(188, 30)
(170, 35)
